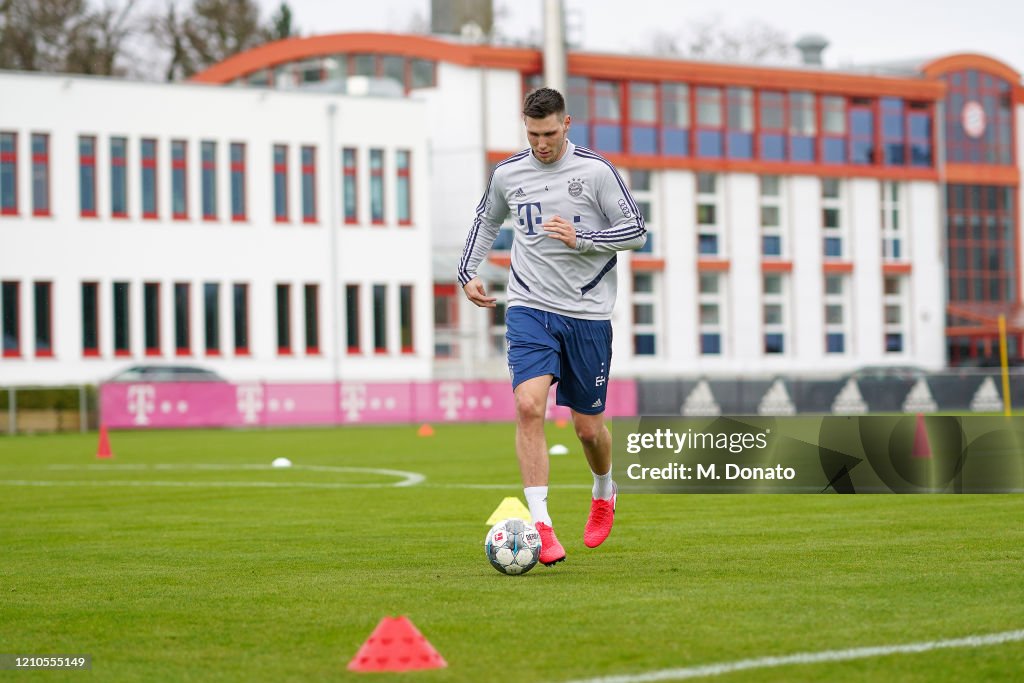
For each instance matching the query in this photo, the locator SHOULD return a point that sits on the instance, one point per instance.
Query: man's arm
(490, 214)
(626, 230)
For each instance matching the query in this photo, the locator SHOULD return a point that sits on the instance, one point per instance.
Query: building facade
(801, 221)
(154, 223)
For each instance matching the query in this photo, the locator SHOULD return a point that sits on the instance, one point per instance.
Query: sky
(860, 32)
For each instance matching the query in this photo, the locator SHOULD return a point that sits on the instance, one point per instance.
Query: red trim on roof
(959, 62)
(423, 47)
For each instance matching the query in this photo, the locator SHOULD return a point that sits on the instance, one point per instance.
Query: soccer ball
(512, 546)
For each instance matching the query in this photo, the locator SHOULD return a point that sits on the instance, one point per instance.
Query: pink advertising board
(161, 405)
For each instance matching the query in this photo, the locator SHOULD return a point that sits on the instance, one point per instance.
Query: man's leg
(532, 451)
(597, 446)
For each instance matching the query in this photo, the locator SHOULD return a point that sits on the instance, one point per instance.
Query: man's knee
(530, 405)
(589, 430)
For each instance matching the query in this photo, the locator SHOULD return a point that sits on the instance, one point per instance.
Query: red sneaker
(599, 523)
(551, 551)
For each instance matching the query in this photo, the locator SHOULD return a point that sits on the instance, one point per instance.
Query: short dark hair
(543, 102)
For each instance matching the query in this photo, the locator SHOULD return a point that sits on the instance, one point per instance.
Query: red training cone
(103, 450)
(396, 645)
(922, 449)
(425, 430)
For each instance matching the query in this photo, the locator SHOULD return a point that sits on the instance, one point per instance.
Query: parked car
(166, 373)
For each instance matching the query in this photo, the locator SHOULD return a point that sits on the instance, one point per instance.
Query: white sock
(602, 485)
(537, 500)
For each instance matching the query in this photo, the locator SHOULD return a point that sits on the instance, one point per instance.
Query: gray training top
(583, 188)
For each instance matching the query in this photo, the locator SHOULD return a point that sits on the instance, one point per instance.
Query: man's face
(547, 137)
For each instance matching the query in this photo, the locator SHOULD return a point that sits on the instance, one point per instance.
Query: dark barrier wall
(974, 391)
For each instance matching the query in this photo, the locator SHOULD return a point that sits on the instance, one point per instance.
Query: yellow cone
(510, 507)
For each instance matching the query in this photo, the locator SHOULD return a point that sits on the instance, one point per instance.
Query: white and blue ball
(512, 546)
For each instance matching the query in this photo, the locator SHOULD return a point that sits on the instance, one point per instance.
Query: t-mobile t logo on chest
(531, 219)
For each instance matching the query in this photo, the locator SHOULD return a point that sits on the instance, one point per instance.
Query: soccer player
(572, 215)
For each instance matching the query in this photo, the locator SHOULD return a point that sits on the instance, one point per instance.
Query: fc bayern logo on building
(575, 187)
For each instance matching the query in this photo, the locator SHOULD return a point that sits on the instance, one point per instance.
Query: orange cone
(425, 430)
(921, 448)
(561, 423)
(396, 645)
(103, 450)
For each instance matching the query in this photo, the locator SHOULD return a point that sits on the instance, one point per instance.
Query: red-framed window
(281, 183)
(710, 123)
(283, 294)
(863, 150)
(676, 115)
(377, 186)
(40, 174)
(833, 130)
(211, 318)
(43, 309)
(607, 110)
(349, 189)
(87, 176)
(772, 141)
(403, 186)
(8, 173)
(982, 242)
(919, 134)
(182, 319)
(893, 131)
(405, 319)
(802, 125)
(353, 330)
(240, 299)
(151, 318)
(740, 118)
(311, 305)
(119, 177)
(643, 118)
(208, 178)
(446, 321)
(122, 319)
(411, 73)
(308, 158)
(238, 201)
(10, 317)
(179, 180)
(90, 319)
(149, 192)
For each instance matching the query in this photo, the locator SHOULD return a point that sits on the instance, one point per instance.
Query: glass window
(151, 317)
(87, 176)
(90, 319)
(8, 173)
(122, 327)
(11, 313)
(281, 183)
(40, 174)
(308, 158)
(311, 305)
(148, 178)
(208, 154)
(238, 203)
(240, 299)
(118, 177)
(284, 319)
(403, 191)
(405, 312)
(709, 107)
(43, 303)
(380, 319)
(377, 186)
(675, 119)
(182, 326)
(352, 317)
(348, 162)
(211, 317)
(423, 73)
(179, 179)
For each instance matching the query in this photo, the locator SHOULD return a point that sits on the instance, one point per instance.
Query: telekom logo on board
(250, 402)
(141, 402)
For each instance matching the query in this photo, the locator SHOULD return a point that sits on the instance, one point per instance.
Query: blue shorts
(578, 353)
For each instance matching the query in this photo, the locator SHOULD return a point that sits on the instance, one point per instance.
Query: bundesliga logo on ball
(512, 546)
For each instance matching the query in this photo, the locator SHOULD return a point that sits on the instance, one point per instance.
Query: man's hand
(562, 230)
(474, 290)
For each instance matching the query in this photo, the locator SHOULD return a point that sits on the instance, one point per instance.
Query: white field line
(809, 658)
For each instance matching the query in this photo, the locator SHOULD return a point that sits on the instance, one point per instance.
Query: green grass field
(162, 570)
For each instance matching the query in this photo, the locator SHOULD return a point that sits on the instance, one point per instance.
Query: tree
(281, 24)
(68, 36)
(210, 31)
(753, 42)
